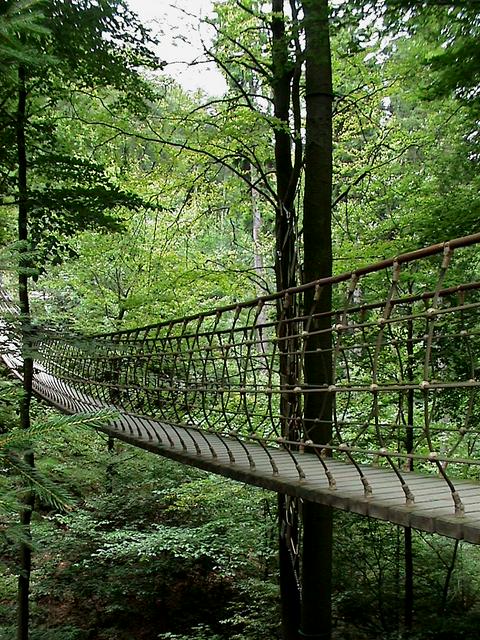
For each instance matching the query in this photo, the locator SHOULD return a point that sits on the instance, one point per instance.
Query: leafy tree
(78, 46)
(409, 154)
(450, 30)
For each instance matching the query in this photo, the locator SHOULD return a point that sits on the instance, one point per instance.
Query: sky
(178, 22)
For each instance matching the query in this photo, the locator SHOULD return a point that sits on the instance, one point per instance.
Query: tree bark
(110, 471)
(258, 265)
(285, 235)
(317, 242)
(409, 593)
(289, 587)
(285, 273)
(26, 331)
(408, 598)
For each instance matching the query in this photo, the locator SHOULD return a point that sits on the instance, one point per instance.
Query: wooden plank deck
(274, 469)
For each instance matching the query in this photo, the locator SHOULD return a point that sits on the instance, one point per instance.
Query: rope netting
(389, 378)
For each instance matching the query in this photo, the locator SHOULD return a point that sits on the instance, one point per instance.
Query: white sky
(178, 23)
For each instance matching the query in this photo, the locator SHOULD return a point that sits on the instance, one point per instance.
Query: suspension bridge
(369, 406)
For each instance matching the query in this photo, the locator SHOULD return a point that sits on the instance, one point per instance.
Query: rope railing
(403, 345)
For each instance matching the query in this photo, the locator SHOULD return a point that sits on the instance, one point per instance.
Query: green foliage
(73, 194)
(215, 536)
(199, 632)
(179, 559)
(20, 20)
(64, 633)
(161, 266)
(110, 43)
(369, 582)
(17, 477)
(66, 65)
(450, 54)
(409, 164)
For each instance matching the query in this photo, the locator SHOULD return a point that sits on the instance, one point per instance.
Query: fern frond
(18, 438)
(47, 491)
(16, 533)
(78, 420)
(9, 503)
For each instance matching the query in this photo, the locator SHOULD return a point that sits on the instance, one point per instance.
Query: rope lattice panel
(372, 407)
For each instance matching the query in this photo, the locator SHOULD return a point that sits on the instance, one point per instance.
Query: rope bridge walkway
(389, 379)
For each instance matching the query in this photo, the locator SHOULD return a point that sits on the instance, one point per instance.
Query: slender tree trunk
(408, 599)
(289, 587)
(26, 329)
(285, 272)
(258, 263)
(410, 392)
(409, 595)
(285, 236)
(256, 228)
(110, 471)
(317, 519)
(448, 577)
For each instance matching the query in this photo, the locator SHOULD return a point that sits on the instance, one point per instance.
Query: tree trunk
(110, 471)
(26, 330)
(289, 587)
(317, 519)
(408, 599)
(258, 265)
(409, 594)
(285, 237)
(256, 229)
(285, 273)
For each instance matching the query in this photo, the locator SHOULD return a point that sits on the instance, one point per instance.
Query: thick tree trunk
(317, 519)
(24, 263)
